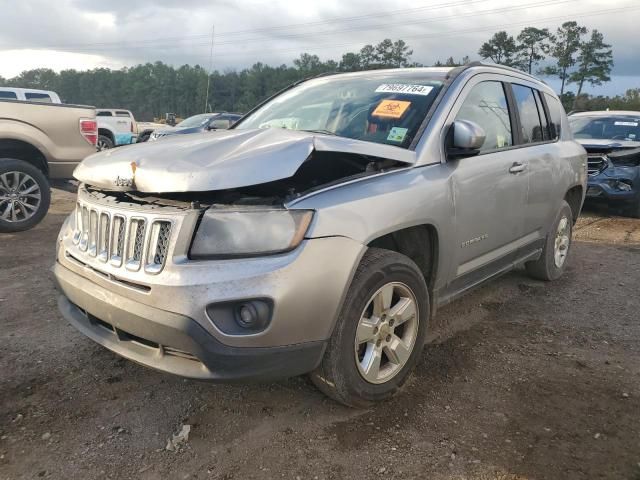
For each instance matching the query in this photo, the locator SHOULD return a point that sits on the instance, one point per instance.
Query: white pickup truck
(115, 127)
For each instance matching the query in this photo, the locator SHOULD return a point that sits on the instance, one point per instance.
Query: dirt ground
(522, 380)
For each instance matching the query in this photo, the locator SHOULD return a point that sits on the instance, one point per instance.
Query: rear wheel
(553, 260)
(104, 143)
(24, 195)
(380, 332)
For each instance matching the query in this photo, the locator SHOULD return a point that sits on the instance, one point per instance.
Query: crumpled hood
(218, 160)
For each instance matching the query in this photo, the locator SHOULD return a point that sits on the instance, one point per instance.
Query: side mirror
(465, 139)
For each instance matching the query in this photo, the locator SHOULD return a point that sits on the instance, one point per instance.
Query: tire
(341, 372)
(546, 267)
(633, 210)
(22, 212)
(104, 143)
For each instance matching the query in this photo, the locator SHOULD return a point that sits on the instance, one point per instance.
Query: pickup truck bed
(39, 142)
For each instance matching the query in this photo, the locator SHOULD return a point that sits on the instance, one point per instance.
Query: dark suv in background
(612, 139)
(199, 123)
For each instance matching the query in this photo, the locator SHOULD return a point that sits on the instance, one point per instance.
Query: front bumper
(604, 187)
(167, 326)
(170, 342)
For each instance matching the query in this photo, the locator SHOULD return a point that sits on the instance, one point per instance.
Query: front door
(490, 189)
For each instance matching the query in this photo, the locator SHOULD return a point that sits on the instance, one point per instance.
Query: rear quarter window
(9, 95)
(555, 112)
(38, 97)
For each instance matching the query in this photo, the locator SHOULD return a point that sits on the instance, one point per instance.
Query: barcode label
(403, 88)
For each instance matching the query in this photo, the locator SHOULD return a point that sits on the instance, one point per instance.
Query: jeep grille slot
(103, 237)
(135, 243)
(117, 240)
(596, 164)
(158, 246)
(120, 239)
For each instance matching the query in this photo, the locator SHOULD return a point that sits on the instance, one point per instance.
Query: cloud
(276, 31)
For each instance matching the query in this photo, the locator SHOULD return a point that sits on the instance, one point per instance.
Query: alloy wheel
(386, 333)
(562, 241)
(20, 196)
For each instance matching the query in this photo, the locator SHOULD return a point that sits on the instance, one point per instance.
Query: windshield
(195, 121)
(615, 127)
(382, 107)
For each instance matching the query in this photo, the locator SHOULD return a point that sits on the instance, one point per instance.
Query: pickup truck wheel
(553, 260)
(104, 143)
(380, 332)
(24, 195)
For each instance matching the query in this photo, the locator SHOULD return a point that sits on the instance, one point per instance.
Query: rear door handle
(517, 167)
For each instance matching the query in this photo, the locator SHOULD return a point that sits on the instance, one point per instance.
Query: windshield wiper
(326, 132)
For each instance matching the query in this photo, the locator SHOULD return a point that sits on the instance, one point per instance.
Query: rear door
(490, 189)
(541, 153)
(123, 125)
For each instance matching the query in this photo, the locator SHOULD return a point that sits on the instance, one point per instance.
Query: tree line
(576, 56)
(571, 53)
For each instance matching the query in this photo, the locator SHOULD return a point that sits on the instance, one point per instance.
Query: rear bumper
(171, 342)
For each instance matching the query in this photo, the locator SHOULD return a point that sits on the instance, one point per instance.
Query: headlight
(249, 233)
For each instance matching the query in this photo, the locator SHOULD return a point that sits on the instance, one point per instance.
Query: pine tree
(594, 62)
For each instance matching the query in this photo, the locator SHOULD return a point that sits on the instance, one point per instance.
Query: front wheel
(24, 195)
(553, 260)
(633, 210)
(380, 332)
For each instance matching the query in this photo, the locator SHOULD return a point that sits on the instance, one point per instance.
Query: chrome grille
(596, 164)
(158, 246)
(122, 240)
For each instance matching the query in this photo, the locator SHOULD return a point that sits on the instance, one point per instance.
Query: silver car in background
(320, 234)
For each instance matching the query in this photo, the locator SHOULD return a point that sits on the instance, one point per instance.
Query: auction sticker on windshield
(626, 124)
(391, 109)
(397, 134)
(406, 89)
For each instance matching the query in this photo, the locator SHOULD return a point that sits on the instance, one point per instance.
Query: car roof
(607, 113)
(444, 73)
(23, 90)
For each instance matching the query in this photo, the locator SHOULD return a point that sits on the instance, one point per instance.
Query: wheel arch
(575, 197)
(107, 133)
(25, 151)
(420, 243)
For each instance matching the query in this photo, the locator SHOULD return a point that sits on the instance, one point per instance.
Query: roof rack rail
(502, 67)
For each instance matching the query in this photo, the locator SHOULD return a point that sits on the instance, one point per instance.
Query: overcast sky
(85, 34)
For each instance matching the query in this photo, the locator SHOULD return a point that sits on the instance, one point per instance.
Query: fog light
(244, 317)
(247, 316)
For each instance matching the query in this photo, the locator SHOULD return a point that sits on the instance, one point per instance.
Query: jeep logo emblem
(123, 182)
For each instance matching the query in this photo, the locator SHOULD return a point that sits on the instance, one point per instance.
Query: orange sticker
(391, 109)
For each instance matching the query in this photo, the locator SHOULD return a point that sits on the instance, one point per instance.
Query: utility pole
(206, 101)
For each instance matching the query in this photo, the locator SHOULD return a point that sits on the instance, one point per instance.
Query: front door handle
(517, 167)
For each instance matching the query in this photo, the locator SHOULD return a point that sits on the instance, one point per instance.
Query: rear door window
(528, 114)
(9, 95)
(37, 97)
(487, 106)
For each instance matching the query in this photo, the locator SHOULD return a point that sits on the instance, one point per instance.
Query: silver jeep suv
(321, 232)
